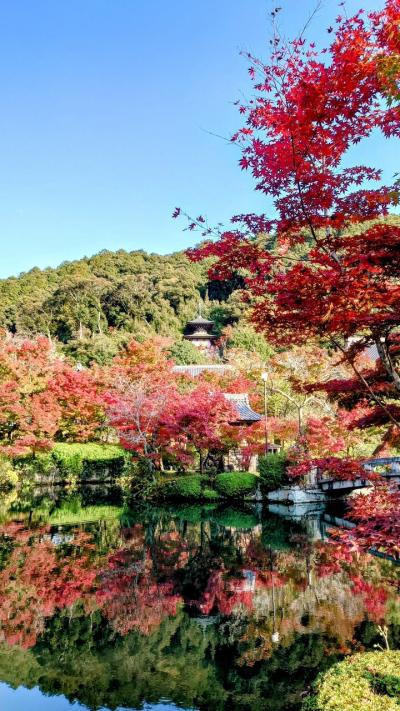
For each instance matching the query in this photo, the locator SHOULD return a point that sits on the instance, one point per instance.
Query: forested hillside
(92, 305)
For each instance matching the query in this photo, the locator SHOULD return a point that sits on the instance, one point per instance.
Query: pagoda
(200, 332)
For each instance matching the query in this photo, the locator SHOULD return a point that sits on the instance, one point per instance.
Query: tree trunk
(300, 419)
(99, 323)
(387, 363)
(201, 462)
(202, 482)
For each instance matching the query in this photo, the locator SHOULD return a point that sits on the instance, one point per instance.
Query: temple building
(200, 333)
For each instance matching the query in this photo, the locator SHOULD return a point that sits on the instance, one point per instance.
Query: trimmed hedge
(273, 471)
(186, 488)
(230, 485)
(236, 485)
(363, 681)
(77, 462)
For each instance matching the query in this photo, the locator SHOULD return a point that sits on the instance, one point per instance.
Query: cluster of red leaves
(80, 398)
(377, 522)
(330, 468)
(43, 397)
(154, 409)
(38, 579)
(308, 110)
(357, 399)
(198, 421)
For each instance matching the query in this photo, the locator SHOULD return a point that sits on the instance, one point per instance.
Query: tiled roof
(240, 401)
(200, 321)
(242, 407)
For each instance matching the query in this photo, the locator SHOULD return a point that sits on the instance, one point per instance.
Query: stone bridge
(388, 467)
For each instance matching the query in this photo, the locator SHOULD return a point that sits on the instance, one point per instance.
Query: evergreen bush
(77, 462)
(363, 681)
(236, 485)
(273, 471)
(187, 488)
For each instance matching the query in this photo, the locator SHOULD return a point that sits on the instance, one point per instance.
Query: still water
(105, 607)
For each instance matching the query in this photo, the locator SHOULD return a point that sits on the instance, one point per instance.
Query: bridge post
(312, 478)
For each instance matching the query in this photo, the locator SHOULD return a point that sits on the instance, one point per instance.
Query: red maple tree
(199, 421)
(29, 411)
(141, 387)
(331, 269)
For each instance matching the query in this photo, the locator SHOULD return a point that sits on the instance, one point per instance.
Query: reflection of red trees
(223, 596)
(131, 597)
(325, 588)
(226, 592)
(374, 597)
(38, 579)
(333, 559)
(330, 559)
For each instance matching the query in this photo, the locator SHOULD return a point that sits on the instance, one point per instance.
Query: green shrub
(90, 461)
(186, 488)
(236, 485)
(273, 471)
(363, 681)
(8, 475)
(73, 462)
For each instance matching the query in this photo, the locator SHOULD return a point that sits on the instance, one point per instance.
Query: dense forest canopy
(94, 304)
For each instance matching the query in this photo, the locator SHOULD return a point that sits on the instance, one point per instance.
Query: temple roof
(240, 401)
(200, 328)
(199, 334)
(200, 321)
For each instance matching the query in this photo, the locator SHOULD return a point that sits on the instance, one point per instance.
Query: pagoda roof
(200, 321)
(201, 333)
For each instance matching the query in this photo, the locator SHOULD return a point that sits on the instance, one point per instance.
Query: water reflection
(209, 608)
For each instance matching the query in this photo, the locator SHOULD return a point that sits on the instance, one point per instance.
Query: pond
(106, 607)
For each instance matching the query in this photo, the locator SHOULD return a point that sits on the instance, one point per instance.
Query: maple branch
(364, 381)
(310, 19)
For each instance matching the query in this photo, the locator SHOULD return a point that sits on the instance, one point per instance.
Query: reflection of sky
(22, 699)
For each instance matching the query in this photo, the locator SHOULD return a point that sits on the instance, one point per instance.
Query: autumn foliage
(327, 266)
(43, 398)
(378, 526)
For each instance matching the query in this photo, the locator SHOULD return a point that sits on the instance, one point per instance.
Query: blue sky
(106, 109)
